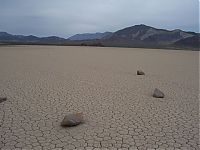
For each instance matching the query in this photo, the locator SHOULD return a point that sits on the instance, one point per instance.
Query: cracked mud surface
(44, 83)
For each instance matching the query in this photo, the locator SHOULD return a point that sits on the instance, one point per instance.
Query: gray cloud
(68, 17)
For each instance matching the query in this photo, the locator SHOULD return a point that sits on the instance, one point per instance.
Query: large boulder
(158, 94)
(71, 120)
(140, 72)
(2, 99)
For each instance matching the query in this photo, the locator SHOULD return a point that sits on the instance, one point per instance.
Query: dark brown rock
(2, 99)
(158, 94)
(140, 72)
(72, 120)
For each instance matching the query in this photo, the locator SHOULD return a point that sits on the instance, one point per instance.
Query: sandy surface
(43, 83)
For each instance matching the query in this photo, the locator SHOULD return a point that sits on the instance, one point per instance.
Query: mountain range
(89, 36)
(136, 36)
(17, 39)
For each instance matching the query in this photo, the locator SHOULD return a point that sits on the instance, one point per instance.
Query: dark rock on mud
(158, 94)
(71, 120)
(140, 72)
(2, 99)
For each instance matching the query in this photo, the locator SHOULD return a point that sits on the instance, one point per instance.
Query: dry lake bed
(44, 83)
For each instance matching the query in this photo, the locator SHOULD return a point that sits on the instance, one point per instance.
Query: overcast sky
(67, 17)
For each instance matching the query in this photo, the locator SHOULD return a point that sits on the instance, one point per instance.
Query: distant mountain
(136, 36)
(9, 38)
(142, 36)
(146, 36)
(90, 36)
(149, 34)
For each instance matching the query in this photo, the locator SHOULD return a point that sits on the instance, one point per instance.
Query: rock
(158, 94)
(140, 72)
(2, 99)
(72, 120)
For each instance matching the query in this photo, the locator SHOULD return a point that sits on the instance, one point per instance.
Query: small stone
(2, 99)
(158, 94)
(72, 120)
(140, 72)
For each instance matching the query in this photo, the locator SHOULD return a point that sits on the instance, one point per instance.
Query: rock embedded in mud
(158, 94)
(2, 99)
(140, 72)
(72, 120)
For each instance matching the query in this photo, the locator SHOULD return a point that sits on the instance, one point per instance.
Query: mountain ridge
(10, 38)
(89, 36)
(135, 36)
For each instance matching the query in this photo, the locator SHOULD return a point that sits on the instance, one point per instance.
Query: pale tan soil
(43, 83)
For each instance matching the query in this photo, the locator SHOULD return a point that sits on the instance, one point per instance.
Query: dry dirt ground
(44, 83)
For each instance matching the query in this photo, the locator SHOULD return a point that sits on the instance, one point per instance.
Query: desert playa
(44, 83)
